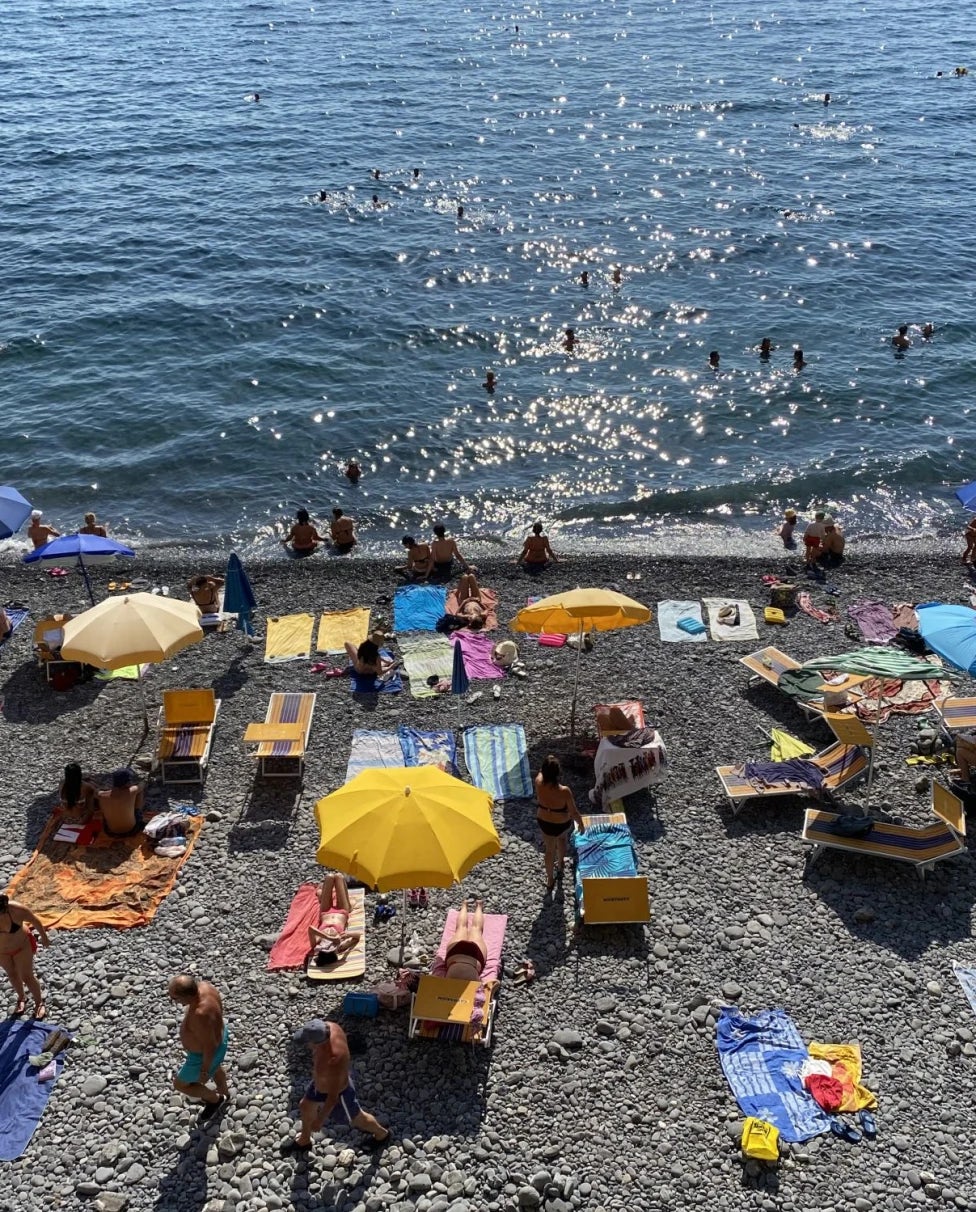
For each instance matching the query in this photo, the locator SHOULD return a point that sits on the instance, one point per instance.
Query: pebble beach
(603, 1088)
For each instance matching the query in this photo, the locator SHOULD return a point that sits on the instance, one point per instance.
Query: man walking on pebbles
(204, 1035)
(330, 1094)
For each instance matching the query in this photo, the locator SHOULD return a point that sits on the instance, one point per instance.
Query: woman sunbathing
(471, 605)
(330, 941)
(467, 952)
(77, 794)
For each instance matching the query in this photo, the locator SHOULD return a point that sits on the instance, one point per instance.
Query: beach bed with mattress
(607, 887)
(186, 725)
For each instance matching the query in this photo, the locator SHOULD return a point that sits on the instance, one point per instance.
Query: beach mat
(668, 614)
(435, 747)
(489, 599)
(22, 1097)
(745, 629)
(426, 656)
(16, 617)
(340, 627)
(372, 749)
(127, 673)
(368, 683)
(418, 607)
(497, 760)
(116, 881)
(289, 638)
(477, 650)
(353, 964)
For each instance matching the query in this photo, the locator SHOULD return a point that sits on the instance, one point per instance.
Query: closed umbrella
(951, 632)
(238, 595)
(75, 547)
(396, 828)
(459, 676)
(14, 511)
(576, 611)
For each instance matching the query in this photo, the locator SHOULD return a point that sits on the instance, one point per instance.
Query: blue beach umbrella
(14, 511)
(951, 632)
(967, 495)
(459, 676)
(75, 547)
(238, 595)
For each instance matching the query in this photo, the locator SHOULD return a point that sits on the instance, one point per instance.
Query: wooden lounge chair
(956, 714)
(48, 638)
(281, 741)
(923, 848)
(841, 764)
(186, 726)
(769, 664)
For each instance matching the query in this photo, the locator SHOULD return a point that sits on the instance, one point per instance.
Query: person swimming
(489, 383)
(460, 211)
(714, 359)
(585, 278)
(901, 339)
(353, 472)
(569, 340)
(766, 347)
(798, 360)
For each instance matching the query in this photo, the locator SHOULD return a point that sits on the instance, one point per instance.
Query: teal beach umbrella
(238, 595)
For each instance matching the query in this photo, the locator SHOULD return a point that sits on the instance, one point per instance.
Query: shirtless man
(536, 552)
(330, 1094)
(901, 340)
(205, 591)
(444, 552)
(419, 560)
(38, 533)
(122, 806)
(342, 531)
(204, 1036)
(91, 526)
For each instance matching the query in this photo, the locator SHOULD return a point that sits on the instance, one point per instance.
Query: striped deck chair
(955, 714)
(923, 848)
(282, 740)
(186, 726)
(841, 764)
(769, 664)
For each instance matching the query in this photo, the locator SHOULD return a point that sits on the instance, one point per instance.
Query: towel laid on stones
(498, 761)
(340, 627)
(426, 656)
(668, 614)
(22, 1096)
(288, 638)
(17, 616)
(436, 747)
(731, 619)
(291, 945)
(477, 649)
(874, 620)
(372, 748)
(418, 607)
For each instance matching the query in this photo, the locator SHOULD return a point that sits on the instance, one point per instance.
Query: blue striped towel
(372, 748)
(497, 760)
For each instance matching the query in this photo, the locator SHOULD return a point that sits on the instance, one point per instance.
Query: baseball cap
(315, 1031)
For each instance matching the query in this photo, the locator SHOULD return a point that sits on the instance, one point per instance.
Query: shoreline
(854, 950)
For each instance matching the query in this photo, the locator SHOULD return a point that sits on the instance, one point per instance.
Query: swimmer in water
(766, 347)
(323, 196)
(376, 201)
(353, 471)
(826, 98)
(376, 174)
(798, 362)
(416, 174)
(585, 278)
(460, 211)
(901, 339)
(489, 383)
(616, 275)
(569, 340)
(257, 96)
(713, 359)
(928, 332)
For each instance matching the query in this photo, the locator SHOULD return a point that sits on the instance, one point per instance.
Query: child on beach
(813, 537)
(969, 555)
(786, 530)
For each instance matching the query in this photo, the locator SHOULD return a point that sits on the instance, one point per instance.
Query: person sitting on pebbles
(419, 559)
(342, 531)
(331, 940)
(303, 538)
(367, 659)
(122, 806)
(205, 591)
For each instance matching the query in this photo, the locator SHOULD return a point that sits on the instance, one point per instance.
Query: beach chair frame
(427, 982)
(266, 736)
(844, 765)
(193, 714)
(768, 665)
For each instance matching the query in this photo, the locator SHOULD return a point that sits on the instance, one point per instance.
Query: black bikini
(552, 828)
(14, 926)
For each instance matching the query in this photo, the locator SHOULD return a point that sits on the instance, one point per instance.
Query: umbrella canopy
(76, 547)
(951, 632)
(580, 610)
(967, 495)
(403, 827)
(131, 630)
(14, 511)
(878, 663)
(238, 595)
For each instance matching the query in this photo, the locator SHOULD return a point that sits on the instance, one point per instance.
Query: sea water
(193, 345)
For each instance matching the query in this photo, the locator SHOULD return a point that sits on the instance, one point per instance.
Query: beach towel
(805, 603)
(114, 881)
(604, 851)
(745, 629)
(489, 599)
(967, 978)
(874, 621)
(289, 638)
(845, 1068)
(340, 627)
(372, 748)
(22, 1097)
(786, 746)
(16, 617)
(668, 615)
(497, 760)
(434, 748)
(291, 945)
(903, 616)
(128, 673)
(418, 607)
(898, 698)
(368, 683)
(477, 649)
(762, 1057)
(426, 656)
(353, 963)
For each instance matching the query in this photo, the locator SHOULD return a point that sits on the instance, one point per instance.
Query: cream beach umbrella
(576, 611)
(137, 629)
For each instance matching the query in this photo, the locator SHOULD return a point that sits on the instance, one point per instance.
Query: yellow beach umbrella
(405, 827)
(576, 611)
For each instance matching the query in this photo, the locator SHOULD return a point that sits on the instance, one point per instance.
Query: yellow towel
(353, 964)
(289, 638)
(845, 1066)
(786, 746)
(337, 627)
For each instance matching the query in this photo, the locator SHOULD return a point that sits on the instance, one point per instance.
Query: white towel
(745, 629)
(668, 614)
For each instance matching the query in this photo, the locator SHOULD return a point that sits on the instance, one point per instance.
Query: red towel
(292, 945)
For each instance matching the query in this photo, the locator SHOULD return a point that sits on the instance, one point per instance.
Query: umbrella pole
(874, 738)
(84, 573)
(403, 924)
(145, 706)
(579, 653)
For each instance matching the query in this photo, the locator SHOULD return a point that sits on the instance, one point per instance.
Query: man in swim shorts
(204, 1035)
(330, 1095)
(813, 537)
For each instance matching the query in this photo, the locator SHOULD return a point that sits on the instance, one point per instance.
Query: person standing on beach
(17, 947)
(969, 555)
(786, 530)
(204, 1036)
(38, 532)
(813, 537)
(331, 1095)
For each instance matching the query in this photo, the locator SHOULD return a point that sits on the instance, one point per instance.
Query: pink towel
(477, 649)
(495, 925)
(292, 945)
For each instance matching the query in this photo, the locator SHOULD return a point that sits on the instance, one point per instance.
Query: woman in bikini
(536, 552)
(303, 538)
(557, 814)
(471, 605)
(77, 793)
(467, 952)
(330, 941)
(17, 953)
(367, 659)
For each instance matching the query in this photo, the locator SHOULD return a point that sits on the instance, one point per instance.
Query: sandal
(40, 1012)
(414, 898)
(845, 1131)
(20, 1007)
(869, 1125)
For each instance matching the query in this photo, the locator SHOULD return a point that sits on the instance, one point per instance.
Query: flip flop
(845, 1131)
(869, 1125)
(379, 1142)
(423, 900)
(414, 898)
(211, 1109)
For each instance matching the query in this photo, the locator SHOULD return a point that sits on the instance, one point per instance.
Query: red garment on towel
(292, 945)
(826, 1091)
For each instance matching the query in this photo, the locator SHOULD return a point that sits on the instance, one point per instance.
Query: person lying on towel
(471, 605)
(467, 952)
(331, 940)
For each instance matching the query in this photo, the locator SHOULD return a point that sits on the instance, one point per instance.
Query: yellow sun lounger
(923, 848)
(841, 765)
(282, 740)
(956, 714)
(186, 726)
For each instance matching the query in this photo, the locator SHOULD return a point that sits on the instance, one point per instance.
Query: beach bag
(760, 1140)
(392, 996)
(849, 825)
(783, 597)
(552, 641)
(773, 614)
